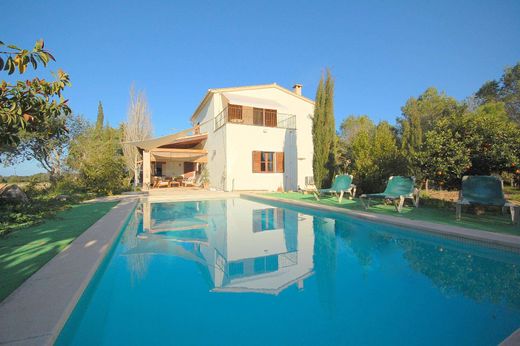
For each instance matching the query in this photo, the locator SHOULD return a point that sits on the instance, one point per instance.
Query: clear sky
(380, 52)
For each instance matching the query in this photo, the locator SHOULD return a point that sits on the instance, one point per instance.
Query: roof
(179, 137)
(210, 92)
(252, 101)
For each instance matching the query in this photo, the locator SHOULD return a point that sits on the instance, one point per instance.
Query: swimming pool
(236, 271)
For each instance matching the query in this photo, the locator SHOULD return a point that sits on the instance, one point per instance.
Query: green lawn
(24, 251)
(491, 220)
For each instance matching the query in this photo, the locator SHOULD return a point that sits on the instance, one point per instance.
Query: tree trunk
(136, 173)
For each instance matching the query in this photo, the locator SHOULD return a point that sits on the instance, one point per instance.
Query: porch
(173, 161)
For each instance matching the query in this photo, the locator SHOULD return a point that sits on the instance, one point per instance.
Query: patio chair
(398, 189)
(485, 191)
(341, 184)
(188, 179)
(309, 186)
(163, 182)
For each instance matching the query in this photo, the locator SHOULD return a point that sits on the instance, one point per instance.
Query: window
(268, 162)
(235, 113)
(258, 116)
(270, 118)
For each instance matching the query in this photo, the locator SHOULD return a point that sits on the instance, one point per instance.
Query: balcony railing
(255, 117)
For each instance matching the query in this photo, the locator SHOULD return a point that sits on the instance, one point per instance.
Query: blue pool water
(239, 272)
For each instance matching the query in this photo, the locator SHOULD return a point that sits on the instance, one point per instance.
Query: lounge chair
(485, 191)
(341, 184)
(397, 190)
(309, 186)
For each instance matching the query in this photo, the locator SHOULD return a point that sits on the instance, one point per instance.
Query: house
(248, 138)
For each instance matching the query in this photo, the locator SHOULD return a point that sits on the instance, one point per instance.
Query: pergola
(186, 146)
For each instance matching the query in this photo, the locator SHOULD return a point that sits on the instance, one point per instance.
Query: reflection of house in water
(242, 246)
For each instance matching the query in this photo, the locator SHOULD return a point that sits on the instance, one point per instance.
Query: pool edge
(507, 241)
(35, 312)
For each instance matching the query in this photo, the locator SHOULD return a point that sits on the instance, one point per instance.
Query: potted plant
(204, 177)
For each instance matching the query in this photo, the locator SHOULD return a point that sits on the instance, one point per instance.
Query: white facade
(230, 145)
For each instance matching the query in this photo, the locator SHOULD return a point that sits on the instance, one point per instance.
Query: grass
(42, 206)
(512, 194)
(24, 251)
(491, 220)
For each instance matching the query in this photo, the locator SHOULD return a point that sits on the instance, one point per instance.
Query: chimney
(297, 89)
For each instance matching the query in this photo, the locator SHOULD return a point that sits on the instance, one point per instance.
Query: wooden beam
(201, 160)
(183, 151)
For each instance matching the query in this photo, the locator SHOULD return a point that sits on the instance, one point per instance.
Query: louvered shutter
(270, 117)
(279, 162)
(256, 161)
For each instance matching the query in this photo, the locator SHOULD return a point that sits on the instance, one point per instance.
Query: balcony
(254, 116)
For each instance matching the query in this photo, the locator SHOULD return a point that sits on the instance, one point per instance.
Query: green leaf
(50, 56)
(12, 66)
(6, 67)
(44, 58)
(1, 62)
(38, 45)
(12, 46)
(33, 61)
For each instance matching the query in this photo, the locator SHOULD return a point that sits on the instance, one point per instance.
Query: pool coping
(37, 310)
(508, 241)
(512, 340)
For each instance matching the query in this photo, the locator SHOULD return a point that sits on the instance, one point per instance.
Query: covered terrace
(174, 160)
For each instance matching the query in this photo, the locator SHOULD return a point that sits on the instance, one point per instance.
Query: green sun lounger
(485, 191)
(397, 190)
(342, 184)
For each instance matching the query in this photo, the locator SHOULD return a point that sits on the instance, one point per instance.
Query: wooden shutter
(256, 161)
(258, 116)
(270, 118)
(279, 162)
(234, 113)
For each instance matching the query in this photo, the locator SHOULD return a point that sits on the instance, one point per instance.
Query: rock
(13, 194)
(62, 198)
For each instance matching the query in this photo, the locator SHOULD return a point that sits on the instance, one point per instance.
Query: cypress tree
(324, 132)
(318, 162)
(330, 130)
(100, 117)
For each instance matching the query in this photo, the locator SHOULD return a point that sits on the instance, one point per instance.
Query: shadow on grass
(490, 221)
(24, 251)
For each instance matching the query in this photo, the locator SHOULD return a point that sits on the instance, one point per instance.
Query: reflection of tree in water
(325, 262)
(459, 272)
(363, 243)
(137, 263)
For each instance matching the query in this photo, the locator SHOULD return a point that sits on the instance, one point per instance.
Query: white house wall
(230, 147)
(303, 111)
(173, 168)
(242, 140)
(215, 144)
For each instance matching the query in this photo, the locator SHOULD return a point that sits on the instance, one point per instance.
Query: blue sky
(380, 52)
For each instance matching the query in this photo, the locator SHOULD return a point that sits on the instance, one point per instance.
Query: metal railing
(248, 117)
